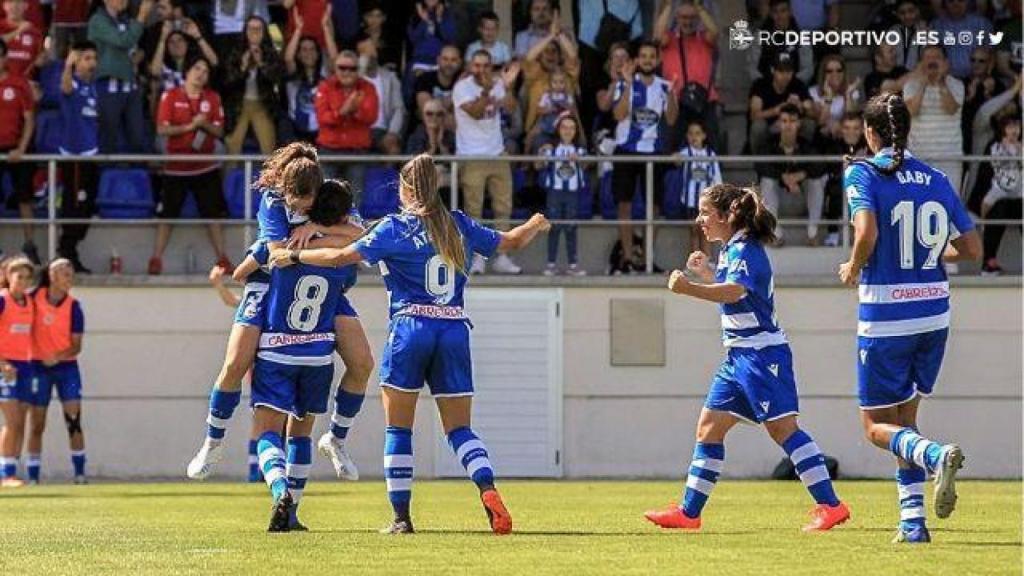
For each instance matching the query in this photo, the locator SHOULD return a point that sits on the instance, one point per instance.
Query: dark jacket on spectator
(268, 81)
(775, 170)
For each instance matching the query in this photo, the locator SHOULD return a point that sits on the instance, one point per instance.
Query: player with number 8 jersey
(908, 222)
(424, 254)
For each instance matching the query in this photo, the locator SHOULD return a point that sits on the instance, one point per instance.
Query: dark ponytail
(745, 210)
(887, 114)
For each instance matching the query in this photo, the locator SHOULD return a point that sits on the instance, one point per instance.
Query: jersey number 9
(440, 280)
(931, 228)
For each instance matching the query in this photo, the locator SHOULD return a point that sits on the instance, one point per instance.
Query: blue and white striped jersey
(903, 287)
(299, 311)
(750, 322)
(638, 133)
(699, 175)
(561, 173)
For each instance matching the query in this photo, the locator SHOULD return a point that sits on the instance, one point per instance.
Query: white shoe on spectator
(504, 265)
(479, 265)
(832, 239)
(575, 270)
(551, 269)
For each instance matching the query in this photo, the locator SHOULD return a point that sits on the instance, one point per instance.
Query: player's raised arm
(521, 236)
(865, 236)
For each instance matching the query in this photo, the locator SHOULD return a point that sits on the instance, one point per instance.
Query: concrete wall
(151, 353)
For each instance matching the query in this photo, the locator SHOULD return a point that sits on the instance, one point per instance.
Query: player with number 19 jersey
(904, 292)
(429, 331)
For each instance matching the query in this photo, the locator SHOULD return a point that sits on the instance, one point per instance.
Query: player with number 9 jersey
(908, 223)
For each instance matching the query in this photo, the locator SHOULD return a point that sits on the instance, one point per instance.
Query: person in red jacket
(346, 109)
(17, 122)
(192, 119)
(24, 41)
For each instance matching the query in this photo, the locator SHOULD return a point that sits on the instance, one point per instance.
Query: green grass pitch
(562, 528)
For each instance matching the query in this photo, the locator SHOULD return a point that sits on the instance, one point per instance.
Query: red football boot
(825, 517)
(501, 520)
(673, 517)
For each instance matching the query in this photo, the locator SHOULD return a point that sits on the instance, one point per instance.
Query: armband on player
(294, 256)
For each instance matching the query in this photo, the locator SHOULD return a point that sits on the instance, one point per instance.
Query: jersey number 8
(931, 229)
(304, 312)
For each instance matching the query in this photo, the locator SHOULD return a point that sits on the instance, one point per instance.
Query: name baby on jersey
(913, 177)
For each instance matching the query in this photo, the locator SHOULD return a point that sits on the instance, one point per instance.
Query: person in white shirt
(478, 99)
(488, 28)
(935, 99)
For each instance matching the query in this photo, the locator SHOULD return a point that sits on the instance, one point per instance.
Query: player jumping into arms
(908, 221)
(424, 254)
(755, 382)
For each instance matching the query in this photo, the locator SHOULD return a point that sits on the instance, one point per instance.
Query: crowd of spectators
(360, 77)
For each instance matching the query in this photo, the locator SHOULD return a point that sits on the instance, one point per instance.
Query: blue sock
(78, 462)
(916, 449)
(272, 462)
(346, 406)
(222, 406)
(810, 466)
(10, 466)
(705, 468)
(398, 467)
(254, 464)
(472, 454)
(33, 466)
(910, 483)
(300, 460)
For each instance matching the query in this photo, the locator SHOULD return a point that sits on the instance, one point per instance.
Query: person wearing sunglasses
(347, 107)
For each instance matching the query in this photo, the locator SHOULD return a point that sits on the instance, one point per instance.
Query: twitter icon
(996, 38)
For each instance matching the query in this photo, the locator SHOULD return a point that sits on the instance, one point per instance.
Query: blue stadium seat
(189, 209)
(124, 193)
(234, 193)
(380, 192)
(609, 210)
(49, 132)
(672, 203)
(585, 209)
(49, 83)
(519, 210)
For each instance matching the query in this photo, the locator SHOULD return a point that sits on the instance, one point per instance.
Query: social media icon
(966, 38)
(995, 38)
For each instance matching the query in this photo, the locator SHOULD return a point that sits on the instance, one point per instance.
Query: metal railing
(649, 223)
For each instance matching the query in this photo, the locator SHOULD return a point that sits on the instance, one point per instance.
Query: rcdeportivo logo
(740, 36)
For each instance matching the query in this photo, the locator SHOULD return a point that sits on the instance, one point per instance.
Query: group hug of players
(293, 315)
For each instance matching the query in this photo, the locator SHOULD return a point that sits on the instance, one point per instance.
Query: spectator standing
(935, 99)
(120, 100)
(345, 17)
(309, 11)
(79, 112)
(192, 119)
(611, 75)
(478, 99)
(251, 79)
(179, 42)
(438, 84)
(1011, 49)
(346, 109)
(695, 176)
(17, 121)
(761, 58)
(488, 28)
(1003, 199)
(769, 95)
(541, 15)
(816, 14)
(389, 53)
(957, 19)
(429, 30)
(909, 26)
(558, 99)
(886, 75)
(435, 138)
(69, 21)
(563, 181)
(641, 104)
(980, 87)
(783, 181)
(593, 46)
(851, 143)
(24, 40)
(304, 65)
(230, 18)
(688, 57)
(833, 96)
(386, 133)
(554, 57)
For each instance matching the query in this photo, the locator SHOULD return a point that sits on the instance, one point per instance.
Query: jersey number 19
(929, 224)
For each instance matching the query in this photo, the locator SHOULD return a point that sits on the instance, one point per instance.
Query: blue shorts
(755, 385)
(65, 377)
(292, 389)
(345, 308)
(250, 309)
(895, 369)
(21, 387)
(431, 350)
